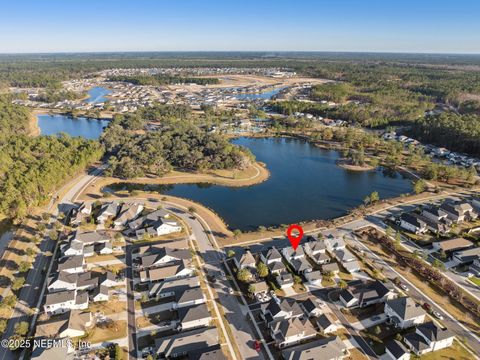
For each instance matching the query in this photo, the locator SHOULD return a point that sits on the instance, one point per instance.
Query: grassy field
(118, 330)
(454, 352)
(475, 280)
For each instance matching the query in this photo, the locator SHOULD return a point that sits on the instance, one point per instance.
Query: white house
(72, 248)
(291, 331)
(413, 223)
(314, 277)
(72, 264)
(271, 256)
(193, 317)
(245, 260)
(63, 301)
(327, 323)
(179, 270)
(403, 312)
(100, 293)
(108, 210)
(428, 337)
(62, 281)
(334, 243)
(189, 297)
(167, 227)
(395, 350)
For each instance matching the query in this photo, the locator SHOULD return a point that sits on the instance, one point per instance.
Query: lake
(86, 127)
(305, 184)
(266, 95)
(97, 94)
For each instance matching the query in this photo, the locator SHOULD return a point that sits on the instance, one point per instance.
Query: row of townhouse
(88, 243)
(438, 219)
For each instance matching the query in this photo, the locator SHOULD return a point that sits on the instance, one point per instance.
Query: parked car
(256, 345)
(427, 306)
(230, 291)
(437, 315)
(403, 287)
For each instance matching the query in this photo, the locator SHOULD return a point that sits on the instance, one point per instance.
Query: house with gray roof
(186, 342)
(193, 317)
(188, 297)
(396, 350)
(291, 331)
(428, 337)
(403, 312)
(332, 348)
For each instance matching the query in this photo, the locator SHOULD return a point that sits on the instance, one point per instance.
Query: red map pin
(294, 239)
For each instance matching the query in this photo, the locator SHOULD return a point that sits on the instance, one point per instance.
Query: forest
(158, 80)
(31, 168)
(180, 144)
(453, 131)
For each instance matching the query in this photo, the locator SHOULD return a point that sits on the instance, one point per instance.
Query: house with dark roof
(178, 270)
(277, 267)
(100, 293)
(330, 267)
(396, 350)
(284, 279)
(327, 323)
(63, 301)
(466, 257)
(168, 289)
(366, 293)
(210, 353)
(271, 256)
(183, 343)
(291, 331)
(300, 265)
(73, 323)
(286, 309)
(428, 337)
(72, 264)
(311, 308)
(449, 246)
(332, 348)
(107, 210)
(403, 312)
(188, 297)
(245, 260)
(413, 223)
(459, 211)
(289, 253)
(164, 256)
(128, 212)
(193, 317)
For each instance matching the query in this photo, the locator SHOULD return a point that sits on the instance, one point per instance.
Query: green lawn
(475, 280)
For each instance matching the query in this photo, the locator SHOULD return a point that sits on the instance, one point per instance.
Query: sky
(32, 26)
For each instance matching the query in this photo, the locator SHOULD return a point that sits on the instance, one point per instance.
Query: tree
(377, 330)
(21, 328)
(262, 269)
(230, 253)
(251, 290)
(24, 266)
(18, 283)
(237, 233)
(118, 352)
(342, 284)
(244, 275)
(419, 186)
(374, 197)
(297, 279)
(3, 325)
(8, 301)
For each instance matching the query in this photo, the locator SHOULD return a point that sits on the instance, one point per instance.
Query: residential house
(330, 268)
(189, 297)
(449, 246)
(73, 323)
(85, 281)
(403, 312)
(334, 243)
(428, 337)
(109, 279)
(277, 267)
(284, 280)
(314, 277)
(90, 237)
(466, 257)
(148, 220)
(327, 323)
(104, 248)
(107, 210)
(193, 317)
(366, 293)
(311, 308)
(81, 213)
(100, 293)
(128, 212)
(300, 265)
(72, 248)
(412, 223)
(260, 287)
(316, 250)
(186, 342)
(178, 270)
(170, 288)
(395, 350)
(458, 211)
(271, 256)
(164, 256)
(436, 214)
(290, 254)
(352, 266)
(62, 281)
(332, 348)
(72, 264)
(291, 331)
(474, 268)
(63, 301)
(285, 309)
(245, 260)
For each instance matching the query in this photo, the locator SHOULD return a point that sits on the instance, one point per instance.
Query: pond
(97, 95)
(265, 95)
(73, 126)
(305, 184)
